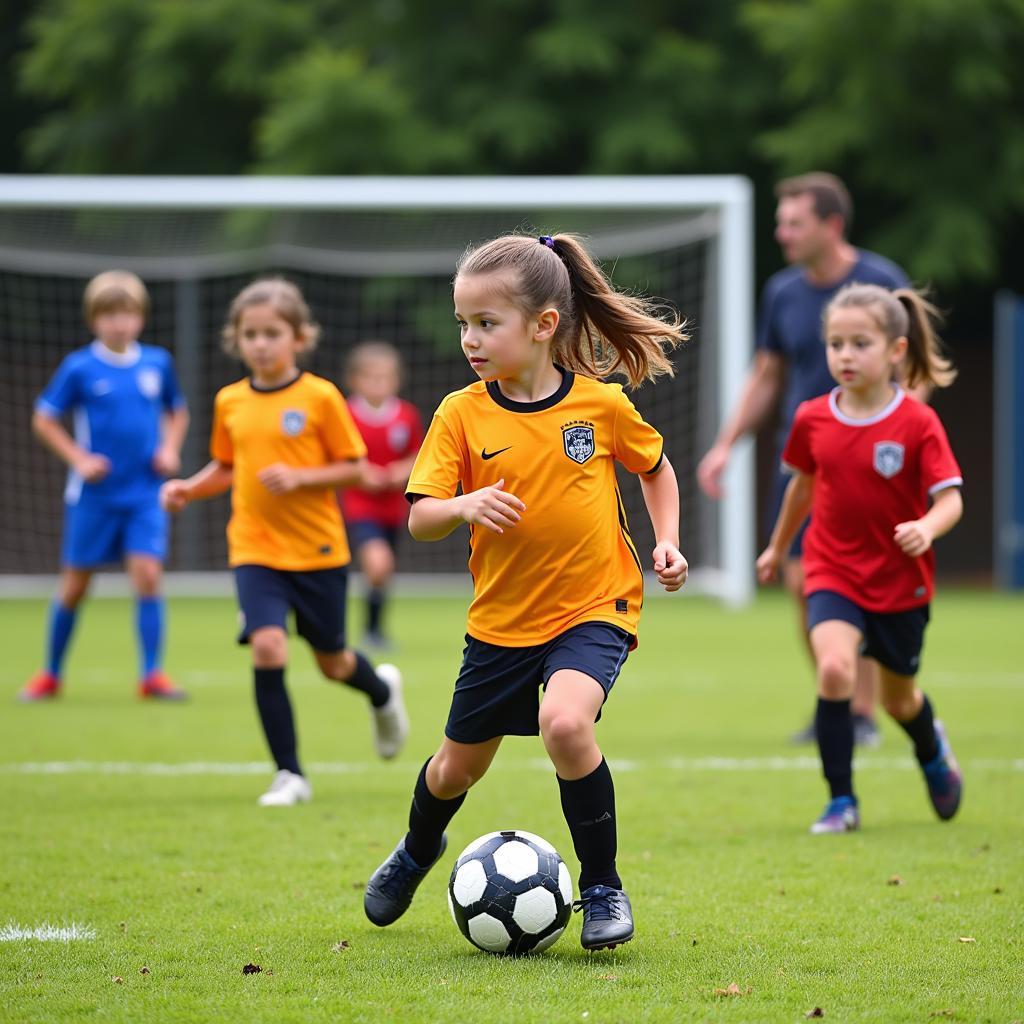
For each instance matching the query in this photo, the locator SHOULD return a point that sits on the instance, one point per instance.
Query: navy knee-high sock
(276, 716)
(366, 680)
(375, 610)
(834, 724)
(428, 818)
(921, 729)
(589, 808)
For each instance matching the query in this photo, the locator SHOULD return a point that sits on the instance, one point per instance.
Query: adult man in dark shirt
(812, 219)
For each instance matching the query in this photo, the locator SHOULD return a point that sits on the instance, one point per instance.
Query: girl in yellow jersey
(532, 446)
(283, 441)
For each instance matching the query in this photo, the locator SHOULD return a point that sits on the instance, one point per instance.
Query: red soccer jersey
(392, 432)
(869, 475)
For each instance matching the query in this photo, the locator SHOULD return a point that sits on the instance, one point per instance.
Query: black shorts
(317, 597)
(893, 639)
(498, 689)
(360, 531)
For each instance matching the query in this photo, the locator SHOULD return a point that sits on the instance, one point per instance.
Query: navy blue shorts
(893, 639)
(781, 482)
(360, 531)
(317, 597)
(498, 689)
(99, 535)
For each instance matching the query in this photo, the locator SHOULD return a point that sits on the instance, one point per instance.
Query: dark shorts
(265, 596)
(361, 531)
(498, 689)
(796, 549)
(893, 639)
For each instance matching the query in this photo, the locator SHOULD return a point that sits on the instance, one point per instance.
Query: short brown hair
(114, 291)
(830, 195)
(287, 302)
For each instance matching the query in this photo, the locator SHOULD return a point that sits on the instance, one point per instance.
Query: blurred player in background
(376, 509)
(130, 420)
(557, 582)
(282, 443)
(813, 217)
(866, 460)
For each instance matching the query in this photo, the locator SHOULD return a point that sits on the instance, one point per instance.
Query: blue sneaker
(839, 816)
(393, 885)
(607, 917)
(945, 784)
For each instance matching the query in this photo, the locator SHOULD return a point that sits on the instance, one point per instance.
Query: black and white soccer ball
(511, 893)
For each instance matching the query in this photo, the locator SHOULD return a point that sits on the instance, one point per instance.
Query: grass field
(139, 823)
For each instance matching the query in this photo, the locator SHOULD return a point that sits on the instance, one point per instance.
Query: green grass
(185, 875)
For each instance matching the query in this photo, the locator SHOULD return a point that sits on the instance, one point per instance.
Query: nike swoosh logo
(485, 454)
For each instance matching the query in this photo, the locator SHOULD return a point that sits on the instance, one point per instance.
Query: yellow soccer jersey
(304, 423)
(570, 559)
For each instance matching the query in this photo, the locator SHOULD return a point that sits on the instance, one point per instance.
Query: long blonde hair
(903, 313)
(600, 330)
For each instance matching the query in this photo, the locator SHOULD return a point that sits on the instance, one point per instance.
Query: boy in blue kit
(130, 421)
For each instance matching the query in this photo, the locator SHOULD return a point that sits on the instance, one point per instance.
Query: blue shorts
(360, 531)
(317, 597)
(781, 482)
(96, 534)
(893, 639)
(498, 689)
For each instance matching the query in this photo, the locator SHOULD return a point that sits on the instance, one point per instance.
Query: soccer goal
(374, 257)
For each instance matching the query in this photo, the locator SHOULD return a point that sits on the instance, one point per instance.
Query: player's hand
(914, 537)
(710, 470)
(279, 478)
(91, 467)
(767, 565)
(492, 508)
(166, 461)
(375, 478)
(671, 567)
(174, 495)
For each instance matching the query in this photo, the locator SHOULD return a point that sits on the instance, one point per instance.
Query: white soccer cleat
(390, 722)
(287, 790)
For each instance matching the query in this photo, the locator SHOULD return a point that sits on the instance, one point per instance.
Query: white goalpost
(374, 257)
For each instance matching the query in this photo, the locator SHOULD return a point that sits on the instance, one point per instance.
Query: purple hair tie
(547, 240)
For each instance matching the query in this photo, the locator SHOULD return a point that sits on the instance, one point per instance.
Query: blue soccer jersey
(117, 402)
(790, 324)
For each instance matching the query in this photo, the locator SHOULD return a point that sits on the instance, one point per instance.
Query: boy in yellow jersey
(283, 442)
(558, 583)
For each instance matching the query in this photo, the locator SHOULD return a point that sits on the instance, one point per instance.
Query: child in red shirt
(375, 511)
(865, 460)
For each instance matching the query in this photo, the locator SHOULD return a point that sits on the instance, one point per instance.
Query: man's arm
(758, 397)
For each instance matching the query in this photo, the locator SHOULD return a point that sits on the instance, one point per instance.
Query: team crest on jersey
(149, 382)
(292, 422)
(578, 443)
(398, 436)
(888, 458)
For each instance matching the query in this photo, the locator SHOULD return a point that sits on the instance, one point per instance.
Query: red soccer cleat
(157, 686)
(42, 686)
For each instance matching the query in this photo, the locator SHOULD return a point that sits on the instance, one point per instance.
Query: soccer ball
(511, 893)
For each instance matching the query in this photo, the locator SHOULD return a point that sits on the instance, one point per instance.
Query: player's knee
(339, 666)
(836, 675)
(451, 777)
(563, 729)
(901, 706)
(269, 647)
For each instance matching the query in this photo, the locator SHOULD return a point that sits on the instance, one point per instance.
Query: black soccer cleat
(393, 885)
(607, 917)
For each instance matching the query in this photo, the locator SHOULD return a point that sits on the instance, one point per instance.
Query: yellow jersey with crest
(570, 558)
(304, 423)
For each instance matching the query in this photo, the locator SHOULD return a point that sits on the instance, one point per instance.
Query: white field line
(710, 765)
(13, 932)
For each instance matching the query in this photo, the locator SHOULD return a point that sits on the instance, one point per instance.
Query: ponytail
(904, 313)
(601, 330)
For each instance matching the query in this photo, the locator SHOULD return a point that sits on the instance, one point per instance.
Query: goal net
(374, 258)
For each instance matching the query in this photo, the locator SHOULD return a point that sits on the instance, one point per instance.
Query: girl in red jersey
(376, 510)
(866, 459)
(557, 581)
